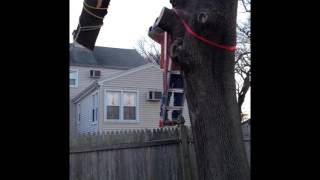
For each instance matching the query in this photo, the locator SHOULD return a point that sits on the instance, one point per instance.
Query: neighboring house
(120, 97)
(247, 137)
(106, 60)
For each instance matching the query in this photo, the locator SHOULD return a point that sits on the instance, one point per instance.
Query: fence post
(184, 153)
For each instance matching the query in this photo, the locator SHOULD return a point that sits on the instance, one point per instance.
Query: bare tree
(149, 50)
(243, 56)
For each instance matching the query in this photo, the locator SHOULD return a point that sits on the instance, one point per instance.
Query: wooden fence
(159, 154)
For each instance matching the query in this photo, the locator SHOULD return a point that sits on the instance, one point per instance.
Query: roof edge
(85, 92)
(101, 66)
(130, 71)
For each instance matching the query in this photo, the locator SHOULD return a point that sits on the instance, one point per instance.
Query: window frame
(121, 106)
(76, 79)
(94, 108)
(106, 105)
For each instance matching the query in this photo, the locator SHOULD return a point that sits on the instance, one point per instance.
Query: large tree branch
(90, 22)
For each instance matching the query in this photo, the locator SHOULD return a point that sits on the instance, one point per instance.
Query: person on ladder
(176, 82)
(172, 82)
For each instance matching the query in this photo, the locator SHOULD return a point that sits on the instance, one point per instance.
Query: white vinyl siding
(141, 81)
(73, 121)
(84, 79)
(86, 106)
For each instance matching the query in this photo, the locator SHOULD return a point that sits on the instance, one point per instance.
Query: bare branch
(244, 90)
(148, 50)
(241, 55)
(245, 5)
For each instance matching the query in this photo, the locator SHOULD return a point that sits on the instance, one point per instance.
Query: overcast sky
(128, 21)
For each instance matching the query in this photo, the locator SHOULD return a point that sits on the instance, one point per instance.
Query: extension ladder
(172, 102)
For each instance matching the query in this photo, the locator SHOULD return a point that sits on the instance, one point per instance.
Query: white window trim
(105, 106)
(120, 120)
(92, 123)
(77, 79)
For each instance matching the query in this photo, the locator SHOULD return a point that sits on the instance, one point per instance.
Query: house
(113, 89)
(246, 125)
(106, 60)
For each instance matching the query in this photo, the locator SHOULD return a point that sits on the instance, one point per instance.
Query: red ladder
(169, 69)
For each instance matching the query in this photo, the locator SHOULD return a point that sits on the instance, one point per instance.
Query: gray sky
(128, 21)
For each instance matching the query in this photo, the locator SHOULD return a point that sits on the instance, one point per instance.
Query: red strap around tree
(194, 34)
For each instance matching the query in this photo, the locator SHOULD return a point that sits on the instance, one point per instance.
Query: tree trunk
(210, 85)
(90, 22)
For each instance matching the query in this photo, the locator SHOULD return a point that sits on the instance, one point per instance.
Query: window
(73, 78)
(113, 105)
(94, 110)
(157, 95)
(121, 105)
(129, 105)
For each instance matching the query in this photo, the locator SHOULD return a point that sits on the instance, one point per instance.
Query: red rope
(194, 34)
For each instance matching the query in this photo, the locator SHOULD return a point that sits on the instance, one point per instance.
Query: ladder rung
(176, 90)
(174, 72)
(173, 107)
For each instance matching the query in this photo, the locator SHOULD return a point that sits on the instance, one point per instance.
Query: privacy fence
(158, 154)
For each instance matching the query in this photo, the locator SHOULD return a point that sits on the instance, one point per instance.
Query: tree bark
(210, 85)
(91, 19)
